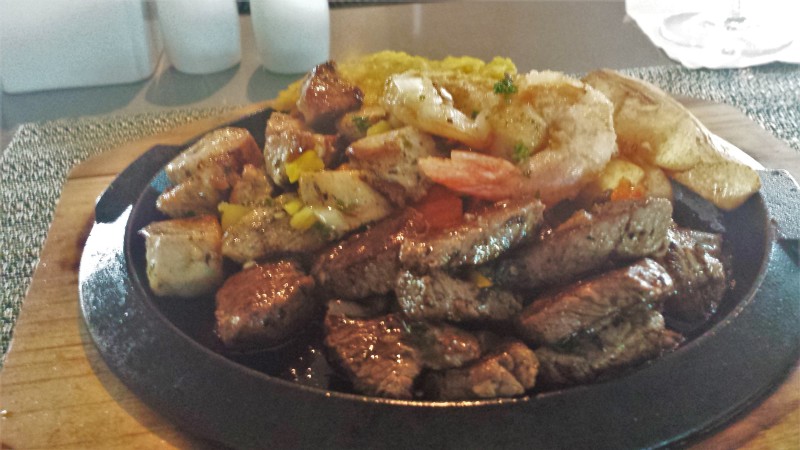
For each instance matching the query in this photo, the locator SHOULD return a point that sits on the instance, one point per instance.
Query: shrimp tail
(474, 174)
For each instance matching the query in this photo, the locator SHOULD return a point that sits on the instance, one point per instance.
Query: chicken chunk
(286, 139)
(184, 257)
(204, 173)
(392, 158)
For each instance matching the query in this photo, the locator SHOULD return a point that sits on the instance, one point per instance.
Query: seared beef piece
(204, 173)
(613, 232)
(637, 336)
(506, 371)
(482, 237)
(392, 158)
(440, 296)
(383, 355)
(286, 139)
(443, 346)
(694, 262)
(591, 304)
(263, 305)
(324, 97)
(373, 353)
(366, 263)
(184, 256)
(266, 231)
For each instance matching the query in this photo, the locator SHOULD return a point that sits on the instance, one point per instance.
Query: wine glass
(730, 32)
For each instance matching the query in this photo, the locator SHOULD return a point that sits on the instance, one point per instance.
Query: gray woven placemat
(33, 169)
(34, 166)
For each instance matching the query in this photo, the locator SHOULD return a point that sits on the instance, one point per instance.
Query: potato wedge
(725, 183)
(653, 127)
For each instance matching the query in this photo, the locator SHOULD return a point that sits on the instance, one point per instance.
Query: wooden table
(58, 393)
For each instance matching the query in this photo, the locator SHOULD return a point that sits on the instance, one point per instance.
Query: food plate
(166, 353)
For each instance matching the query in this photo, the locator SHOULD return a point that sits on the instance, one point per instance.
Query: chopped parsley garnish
(361, 123)
(505, 86)
(521, 152)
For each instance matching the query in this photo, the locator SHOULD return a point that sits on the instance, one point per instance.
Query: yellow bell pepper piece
(231, 213)
(293, 206)
(479, 279)
(303, 219)
(308, 161)
(380, 127)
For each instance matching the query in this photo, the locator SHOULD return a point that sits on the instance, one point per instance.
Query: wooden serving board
(57, 392)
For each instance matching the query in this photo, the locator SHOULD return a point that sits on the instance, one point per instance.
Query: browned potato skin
(654, 127)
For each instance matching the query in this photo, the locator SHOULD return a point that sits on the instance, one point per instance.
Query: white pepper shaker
(200, 36)
(291, 36)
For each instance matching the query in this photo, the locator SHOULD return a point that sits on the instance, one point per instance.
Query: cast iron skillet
(165, 352)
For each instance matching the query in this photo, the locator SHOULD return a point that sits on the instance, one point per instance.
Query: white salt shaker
(291, 36)
(200, 36)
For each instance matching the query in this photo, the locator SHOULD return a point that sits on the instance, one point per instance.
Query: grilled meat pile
(422, 292)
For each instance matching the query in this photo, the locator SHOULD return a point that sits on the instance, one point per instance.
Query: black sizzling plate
(165, 351)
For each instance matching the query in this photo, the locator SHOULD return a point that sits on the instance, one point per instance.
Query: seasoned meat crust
(286, 138)
(506, 371)
(694, 262)
(263, 305)
(383, 355)
(266, 231)
(631, 339)
(366, 263)
(439, 296)
(613, 232)
(324, 97)
(482, 237)
(392, 158)
(204, 174)
(590, 304)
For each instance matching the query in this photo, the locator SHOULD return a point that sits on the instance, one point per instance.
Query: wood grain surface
(56, 391)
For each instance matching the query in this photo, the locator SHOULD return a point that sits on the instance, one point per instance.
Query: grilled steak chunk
(590, 304)
(324, 97)
(392, 158)
(481, 238)
(440, 296)
(630, 339)
(694, 262)
(383, 355)
(443, 346)
(613, 232)
(506, 371)
(366, 263)
(266, 231)
(263, 305)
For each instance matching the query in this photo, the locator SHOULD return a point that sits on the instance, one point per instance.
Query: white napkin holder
(55, 44)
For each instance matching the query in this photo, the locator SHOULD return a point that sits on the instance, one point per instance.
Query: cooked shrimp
(415, 100)
(562, 136)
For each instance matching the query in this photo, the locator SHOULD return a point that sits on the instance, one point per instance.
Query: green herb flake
(505, 86)
(521, 152)
(361, 123)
